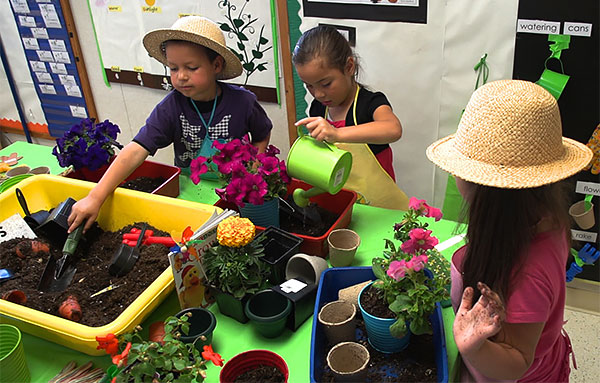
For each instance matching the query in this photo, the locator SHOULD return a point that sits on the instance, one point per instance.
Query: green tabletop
(45, 359)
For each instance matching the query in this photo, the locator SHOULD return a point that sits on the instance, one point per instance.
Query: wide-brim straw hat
(195, 29)
(510, 136)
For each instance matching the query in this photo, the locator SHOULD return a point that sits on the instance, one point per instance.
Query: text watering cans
(320, 164)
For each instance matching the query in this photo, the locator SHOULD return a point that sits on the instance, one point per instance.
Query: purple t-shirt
(175, 120)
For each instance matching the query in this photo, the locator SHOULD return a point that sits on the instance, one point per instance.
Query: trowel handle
(73, 240)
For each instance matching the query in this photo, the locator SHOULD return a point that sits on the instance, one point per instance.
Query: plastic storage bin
(335, 279)
(341, 204)
(169, 188)
(122, 208)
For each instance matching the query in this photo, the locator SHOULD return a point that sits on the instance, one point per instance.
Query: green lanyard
(212, 114)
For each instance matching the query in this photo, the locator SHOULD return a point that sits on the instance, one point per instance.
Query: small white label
(339, 177)
(585, 236)
(27, 21)
(15, 227)
(292, 286)
(592, 188)
(20, 6)
(38, 66)
(44, 77)
(62, 57)
(39, 33)
(577, 29)
(45, 55)
(67, 79)
(58, 68)
(57, 45)
(78, 111)
(538, 26)
(47, 89)
(49, 15)
(73, 90)
(31, 43)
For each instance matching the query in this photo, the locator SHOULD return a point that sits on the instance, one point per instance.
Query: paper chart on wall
(121, 25)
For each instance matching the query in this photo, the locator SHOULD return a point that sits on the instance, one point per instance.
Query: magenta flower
(256, 188)
(236, 191)
(420, 239)
(433, 212)
(283, 173)
(415, 203)
(421, 206)
(270, 165)
(397, 269)
(272, 151)
(417, 263)
(198, 167)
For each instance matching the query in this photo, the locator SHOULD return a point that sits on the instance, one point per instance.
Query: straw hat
(510, 136)
(195, 29)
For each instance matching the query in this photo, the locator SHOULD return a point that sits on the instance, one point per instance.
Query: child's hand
(85, 212)
(319, 129)
(474, 324)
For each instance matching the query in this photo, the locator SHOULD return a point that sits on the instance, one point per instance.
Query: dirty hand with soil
(474, 324)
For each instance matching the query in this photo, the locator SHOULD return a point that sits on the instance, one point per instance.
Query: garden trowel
(59, 273)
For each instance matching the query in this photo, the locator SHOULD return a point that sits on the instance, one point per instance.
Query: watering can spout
(301, 196)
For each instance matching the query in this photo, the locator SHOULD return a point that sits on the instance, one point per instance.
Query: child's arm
(262, 145)
(385, 128)
(474, 328)
(86, 210)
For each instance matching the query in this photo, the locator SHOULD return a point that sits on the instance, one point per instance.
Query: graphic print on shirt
(191, 135)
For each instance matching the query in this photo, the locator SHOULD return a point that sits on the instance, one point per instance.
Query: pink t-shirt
(538, 295)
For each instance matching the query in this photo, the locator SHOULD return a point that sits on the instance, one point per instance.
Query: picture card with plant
(87, 144)
(400, 273)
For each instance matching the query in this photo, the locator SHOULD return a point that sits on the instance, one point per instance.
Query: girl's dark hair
(502, 223)
(326, 43)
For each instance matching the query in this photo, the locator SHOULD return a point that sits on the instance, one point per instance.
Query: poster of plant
(120, 26)
(410, 11)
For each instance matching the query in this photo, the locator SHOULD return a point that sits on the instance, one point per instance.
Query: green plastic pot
(13, 366)
(202, 323)
(268, 312)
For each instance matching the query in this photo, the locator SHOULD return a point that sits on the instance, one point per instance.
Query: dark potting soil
(96, 250)
(145, 184)
(313, 221)
(416, 363)
(263, 374)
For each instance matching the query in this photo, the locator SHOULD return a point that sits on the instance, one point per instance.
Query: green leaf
(420, 326)
(261, 67)
(240, 46)
(225, 27)
(263, 41)
(402, 303)
(146, 368)
(242, 36)
(398, 328)
(378, 271)
(248, 66)
(179, 364)
(257, 54)
(238, 22)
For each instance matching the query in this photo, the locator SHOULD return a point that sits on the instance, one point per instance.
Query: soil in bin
(263, 374)
(305, 222)
(416, 363)
(145, 184)
(96, 250)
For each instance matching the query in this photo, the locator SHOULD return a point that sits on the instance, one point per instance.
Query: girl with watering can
(327, 65)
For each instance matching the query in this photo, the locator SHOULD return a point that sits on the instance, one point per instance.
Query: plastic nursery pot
(348, 361)
(338, 322)
(230, 305)
(279, 247)
(202, 323)
(250, 360)
(342, 247)
(584, 217)
(268, 312)
(378, 330)
(264, 215)
(306, 267)
(13, 366)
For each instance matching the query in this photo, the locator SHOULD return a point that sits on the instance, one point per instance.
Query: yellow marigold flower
(235, 232)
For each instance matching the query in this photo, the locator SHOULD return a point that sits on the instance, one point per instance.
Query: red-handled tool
(131, 240)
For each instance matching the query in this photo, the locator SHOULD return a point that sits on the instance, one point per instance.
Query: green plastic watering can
(318, 163)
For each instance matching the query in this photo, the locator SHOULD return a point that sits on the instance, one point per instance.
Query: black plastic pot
(202, 322)
(230, 306)
(279, 247)
(268, 311)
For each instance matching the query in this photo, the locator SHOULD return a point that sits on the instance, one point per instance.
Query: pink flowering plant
(413, 276)
(247, 176)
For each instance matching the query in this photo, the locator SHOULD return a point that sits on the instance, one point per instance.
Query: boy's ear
(219, 64)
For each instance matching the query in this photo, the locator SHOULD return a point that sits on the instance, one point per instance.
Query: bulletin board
(47, 34)
(249, 27)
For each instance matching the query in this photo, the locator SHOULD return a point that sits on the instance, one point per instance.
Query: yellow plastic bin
(124, 207)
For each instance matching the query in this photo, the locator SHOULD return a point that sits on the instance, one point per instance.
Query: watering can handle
(301, 133)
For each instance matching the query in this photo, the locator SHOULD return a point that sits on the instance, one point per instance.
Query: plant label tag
(15, 227)
(292, 286)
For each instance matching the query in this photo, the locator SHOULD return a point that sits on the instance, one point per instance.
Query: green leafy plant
(166, 360)
(234, 266)
(240, 26)
(401, 273)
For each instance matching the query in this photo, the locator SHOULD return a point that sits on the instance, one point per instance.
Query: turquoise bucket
(264, 215)
(378, 331)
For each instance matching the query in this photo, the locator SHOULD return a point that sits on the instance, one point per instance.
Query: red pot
(250, 360)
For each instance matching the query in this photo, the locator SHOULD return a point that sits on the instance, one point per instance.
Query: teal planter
(264, 215)
(268, 311)
(202, 323)
(378, 331)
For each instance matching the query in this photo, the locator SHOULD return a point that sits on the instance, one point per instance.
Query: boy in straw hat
(198, 111)
(507, 156)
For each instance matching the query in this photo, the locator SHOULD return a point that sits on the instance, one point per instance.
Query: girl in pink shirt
(508, 282)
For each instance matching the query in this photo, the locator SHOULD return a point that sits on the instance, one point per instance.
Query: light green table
(45, 359)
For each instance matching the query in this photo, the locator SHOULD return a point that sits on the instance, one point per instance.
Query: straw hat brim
(154, 40)
(444, 154)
